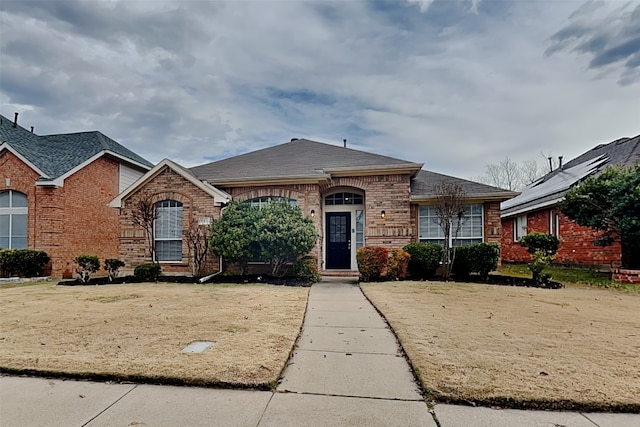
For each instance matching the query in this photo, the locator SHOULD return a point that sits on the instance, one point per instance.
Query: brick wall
(196, 205)
(576, 242)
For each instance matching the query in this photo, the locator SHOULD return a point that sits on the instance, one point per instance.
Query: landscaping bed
(574, 348)
(255, 278)
(136, 332)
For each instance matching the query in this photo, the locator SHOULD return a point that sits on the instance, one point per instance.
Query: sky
(455, 85)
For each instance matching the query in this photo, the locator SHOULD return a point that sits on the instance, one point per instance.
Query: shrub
(398, 263)
(543, 248)
(461, 267)
(425, 259)
(307, 268)
(147, 272)
(484, 258)
(22, 262)
(372, 262)
(87, 265)
(112, 265)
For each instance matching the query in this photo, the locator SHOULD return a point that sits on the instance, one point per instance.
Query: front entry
(338, 240)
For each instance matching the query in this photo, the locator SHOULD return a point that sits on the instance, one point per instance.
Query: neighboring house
(355, 199)
(55, 190)
(536, 209)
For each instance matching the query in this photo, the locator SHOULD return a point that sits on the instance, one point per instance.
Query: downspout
(204, 279)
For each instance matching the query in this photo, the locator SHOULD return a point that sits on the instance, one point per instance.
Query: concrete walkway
(345, 371)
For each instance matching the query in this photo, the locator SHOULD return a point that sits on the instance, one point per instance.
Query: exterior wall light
(382, 214)
(313, 213)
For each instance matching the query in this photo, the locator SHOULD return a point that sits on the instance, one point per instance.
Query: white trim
(6, 146)
(532, 208)
(219, 196)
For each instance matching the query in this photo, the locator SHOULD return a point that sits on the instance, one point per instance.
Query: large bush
(147, 272)
(307, 268)
(86, 266)
(484, 258)
(22, 262)
(425, 259)
(543, 248)
(398, 263)
(372, 262)
(461, 267)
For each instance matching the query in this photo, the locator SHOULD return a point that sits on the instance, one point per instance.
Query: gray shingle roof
(299, 158)
(56, 155)
(551, 188)
(422, 187)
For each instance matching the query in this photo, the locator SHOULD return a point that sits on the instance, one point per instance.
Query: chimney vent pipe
(31, 129)
(550, 164)
(560, 162)
(344, 141)
(15, 121)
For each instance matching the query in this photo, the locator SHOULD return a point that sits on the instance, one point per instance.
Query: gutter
(204, 279)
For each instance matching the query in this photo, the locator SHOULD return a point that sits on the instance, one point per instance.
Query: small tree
(87, 265)
(284, 234)
(112, 265)
(610, 202)
(145, 215)
(197, 240)
(234, 235)
(450, 209)
(543, 248)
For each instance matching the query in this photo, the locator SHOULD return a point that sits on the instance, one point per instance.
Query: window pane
(169, 250)
(4, 242)
(18, 225)
(4, 227)
(19, 200)
(19, 243)
(4, 199)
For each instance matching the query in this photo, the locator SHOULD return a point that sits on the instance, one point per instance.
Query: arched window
(13, 220)
(343, 199)
(261, 201)
(168, 231)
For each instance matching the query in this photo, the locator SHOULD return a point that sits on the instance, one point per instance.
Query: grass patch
(136, 332)
(572, 348)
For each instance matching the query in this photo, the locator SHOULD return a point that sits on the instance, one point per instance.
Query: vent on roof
(344, 141)
(15, 121)
(294, 139)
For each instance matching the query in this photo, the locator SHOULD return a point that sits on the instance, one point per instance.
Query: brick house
(55, 190)
(355, 199)
(536, 209)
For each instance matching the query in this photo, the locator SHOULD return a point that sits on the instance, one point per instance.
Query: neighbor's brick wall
(196, 204)
(576, 242)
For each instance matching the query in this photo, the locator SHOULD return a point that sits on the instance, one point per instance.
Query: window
(168, 231)
(359, 229)
(13, 220)
(262, 201)
(554, 223)
(471, 226)
(519, 227)
(343, 199)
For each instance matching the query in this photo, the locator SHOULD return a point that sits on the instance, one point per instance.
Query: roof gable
(298, 159)
(55, 156)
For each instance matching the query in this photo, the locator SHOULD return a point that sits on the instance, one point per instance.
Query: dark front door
(339, 240)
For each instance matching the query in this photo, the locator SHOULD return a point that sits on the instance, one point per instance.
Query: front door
(338, 240)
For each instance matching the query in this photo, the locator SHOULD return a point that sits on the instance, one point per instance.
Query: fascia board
(8, 147)
(536, 207)
(478, 197)
(401, 169)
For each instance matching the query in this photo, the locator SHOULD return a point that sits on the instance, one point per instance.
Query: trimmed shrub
(307, 268)
(461, 267)
(543, 248)
(425, 259)
(484, 258)
(22, 262)
(372, 262)
(112, 265)
(398, 263)
(87, 265)
(147, 272)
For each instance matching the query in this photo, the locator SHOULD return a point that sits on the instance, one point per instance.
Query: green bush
(425, 259)
(87, 265)
(22, 262)
(398, 263)
(307, 268)
(372, 262)
(461, 267)
(484, 258)
(112, 265)
(543, 248)
(147, 272)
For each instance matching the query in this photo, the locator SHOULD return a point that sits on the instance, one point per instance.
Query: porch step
(340, 273)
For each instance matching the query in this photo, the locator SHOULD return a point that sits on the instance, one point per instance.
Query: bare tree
(197, 238)
(144, 215)
(450, 209)
(513, 176)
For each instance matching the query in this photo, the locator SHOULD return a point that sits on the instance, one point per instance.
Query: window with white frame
(343, 199)
(471, 226)
(262, 201)
(519, 227)
(13, 220)
(168, 231)
(554, 223)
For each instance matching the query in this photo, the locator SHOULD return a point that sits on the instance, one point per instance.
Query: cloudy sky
(453, 84)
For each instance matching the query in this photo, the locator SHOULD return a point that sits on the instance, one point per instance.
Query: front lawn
(571, 348)
(137, 331)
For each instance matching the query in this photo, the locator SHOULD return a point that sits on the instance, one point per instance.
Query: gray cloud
(612, 40)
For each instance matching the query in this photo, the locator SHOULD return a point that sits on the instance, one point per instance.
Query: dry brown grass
(565, 348)
(137, 331)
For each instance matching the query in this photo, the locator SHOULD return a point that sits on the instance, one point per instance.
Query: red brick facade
(576, 242)
(70, 220)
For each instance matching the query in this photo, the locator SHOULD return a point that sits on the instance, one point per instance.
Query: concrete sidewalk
(345, 371)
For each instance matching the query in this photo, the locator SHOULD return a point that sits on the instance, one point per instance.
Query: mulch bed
(283, 281)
